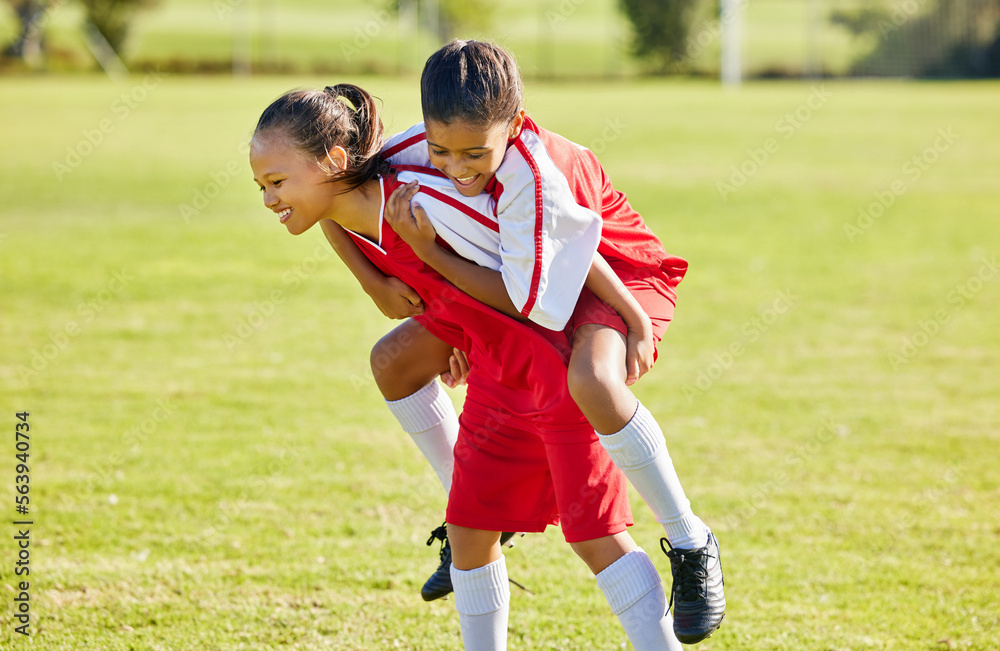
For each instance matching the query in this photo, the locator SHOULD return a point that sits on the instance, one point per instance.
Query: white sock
(632, 588)
(429, 417)
(641, 453)
(482, 599)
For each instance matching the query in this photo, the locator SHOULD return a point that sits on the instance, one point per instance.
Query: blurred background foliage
(553, 38)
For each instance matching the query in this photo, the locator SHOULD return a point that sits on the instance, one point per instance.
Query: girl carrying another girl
(525, 457)
(540, 189)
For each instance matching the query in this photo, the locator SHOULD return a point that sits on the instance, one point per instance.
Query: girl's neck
(359, 209)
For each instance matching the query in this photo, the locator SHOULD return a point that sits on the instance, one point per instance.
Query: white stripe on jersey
(469, 237)
(545, 236)
(402, 153)
(545, 245)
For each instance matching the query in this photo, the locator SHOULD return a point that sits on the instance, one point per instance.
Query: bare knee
(597, 365)
(386, 365)
(596, 380)
(600, 553)
(472, 548)
(586, 382)
(406, 359)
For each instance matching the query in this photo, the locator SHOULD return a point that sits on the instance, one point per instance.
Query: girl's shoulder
(539, 141)
(545, 151)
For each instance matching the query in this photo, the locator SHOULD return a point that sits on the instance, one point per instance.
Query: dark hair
(471, 81)
(317, 120)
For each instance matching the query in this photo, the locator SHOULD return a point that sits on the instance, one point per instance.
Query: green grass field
(212, 467)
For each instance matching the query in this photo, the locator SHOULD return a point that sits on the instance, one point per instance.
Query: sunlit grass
(211, 468)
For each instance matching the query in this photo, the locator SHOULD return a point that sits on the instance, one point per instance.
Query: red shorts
(651, 288)
(513, 475)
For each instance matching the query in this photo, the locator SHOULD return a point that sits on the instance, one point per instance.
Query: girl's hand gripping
(638, 348)
(410, 221)
(459, 372)
(395, 299)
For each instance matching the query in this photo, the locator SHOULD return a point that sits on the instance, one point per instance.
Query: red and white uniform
(543, 255)
(544, 196)
(526, 457)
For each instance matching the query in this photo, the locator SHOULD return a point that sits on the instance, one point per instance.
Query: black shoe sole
(696, 639)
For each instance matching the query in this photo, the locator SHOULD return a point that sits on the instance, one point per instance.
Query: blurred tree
(859, 21)
(949, 38)
(113, 17)
(451, 18)
(660, 31)
(464, 18)
(29, 43)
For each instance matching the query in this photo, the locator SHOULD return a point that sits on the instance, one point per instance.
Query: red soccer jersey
(541, 173)
(625, 238)
(519, 367)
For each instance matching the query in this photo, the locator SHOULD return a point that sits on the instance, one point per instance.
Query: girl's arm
(412, 224)
(607, 286)
(532, 214)
(482, 284)
(394, 298)
(487, 286)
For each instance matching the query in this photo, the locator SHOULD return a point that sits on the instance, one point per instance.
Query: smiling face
(469, 156)
(294, 186)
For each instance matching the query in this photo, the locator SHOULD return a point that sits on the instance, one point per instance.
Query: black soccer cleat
(439, 583)
(697, 597)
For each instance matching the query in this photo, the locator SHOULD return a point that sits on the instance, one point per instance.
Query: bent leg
(405, 364)
(407, 359)
(634, 441)
(596, 378)
(599, 553)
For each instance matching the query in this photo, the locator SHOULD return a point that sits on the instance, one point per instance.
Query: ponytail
(365, 138)
(316, 121)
